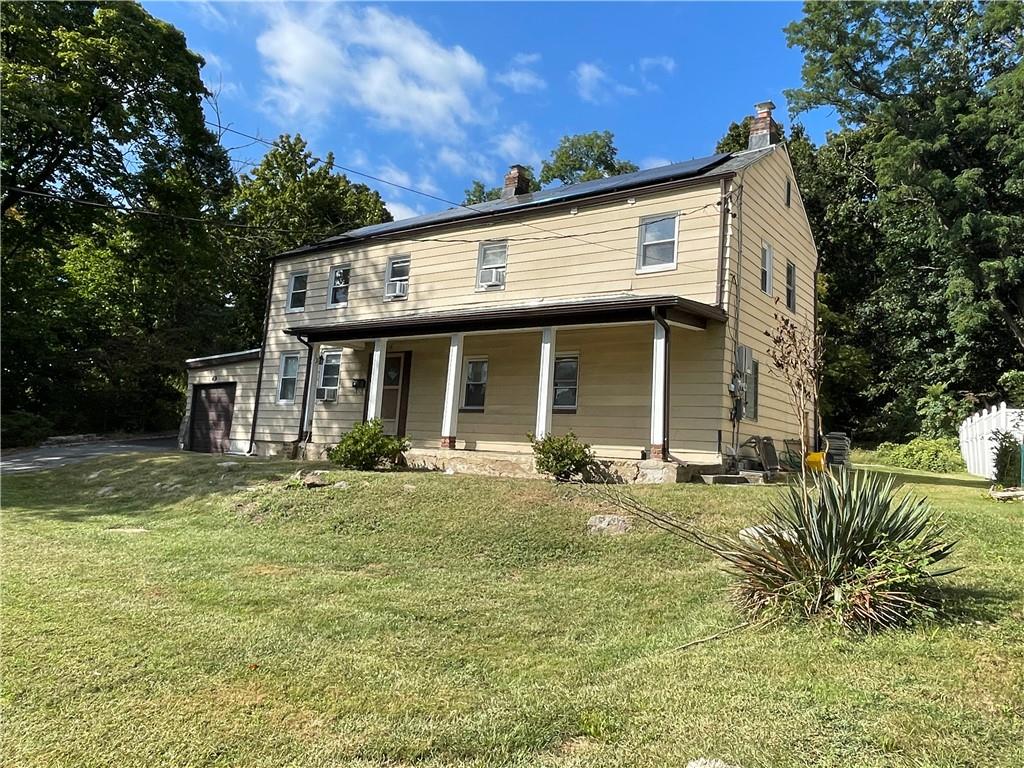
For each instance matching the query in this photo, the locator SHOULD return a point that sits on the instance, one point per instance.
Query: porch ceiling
(590, 311)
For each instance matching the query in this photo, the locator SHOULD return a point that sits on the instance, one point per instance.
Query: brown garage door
(212, 408)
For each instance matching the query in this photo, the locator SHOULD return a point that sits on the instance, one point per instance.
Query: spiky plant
(851, 548)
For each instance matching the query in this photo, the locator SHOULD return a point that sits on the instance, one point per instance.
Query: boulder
(314, 480)
(608, 525)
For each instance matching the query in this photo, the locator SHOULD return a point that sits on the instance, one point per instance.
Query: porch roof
(591, 310)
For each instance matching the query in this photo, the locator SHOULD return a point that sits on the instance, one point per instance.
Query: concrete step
(725, 479)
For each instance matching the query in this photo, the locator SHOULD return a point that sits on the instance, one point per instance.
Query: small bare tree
(795, 352)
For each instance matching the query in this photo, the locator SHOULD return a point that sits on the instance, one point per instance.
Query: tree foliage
(584, 157)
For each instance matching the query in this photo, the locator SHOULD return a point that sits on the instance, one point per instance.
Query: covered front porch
(638, 378)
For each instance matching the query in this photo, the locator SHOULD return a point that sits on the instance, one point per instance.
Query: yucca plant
(849, 548)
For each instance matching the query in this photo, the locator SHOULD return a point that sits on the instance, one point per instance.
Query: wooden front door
(213, 406)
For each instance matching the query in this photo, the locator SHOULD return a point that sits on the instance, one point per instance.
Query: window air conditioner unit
(397, 289)
(490, 278)
(326, 394)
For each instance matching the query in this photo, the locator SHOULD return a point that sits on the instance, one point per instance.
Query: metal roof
(711, 167)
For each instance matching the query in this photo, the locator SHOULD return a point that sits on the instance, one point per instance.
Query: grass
(430, 620)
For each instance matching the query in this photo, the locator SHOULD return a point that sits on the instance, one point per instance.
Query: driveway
(52, 456)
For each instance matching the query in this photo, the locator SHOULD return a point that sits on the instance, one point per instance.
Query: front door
(392, 404)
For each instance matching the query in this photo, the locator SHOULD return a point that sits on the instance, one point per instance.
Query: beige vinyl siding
(700, 403)
(333, 419)
(244, 376)
(279, 422)
(765, 218)
(541, 265)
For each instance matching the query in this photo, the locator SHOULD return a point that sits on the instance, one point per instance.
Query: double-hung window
(396, 279)
(330, 374)
(492, 265)
(791, 286)
(474, 388)
(337, 286)
(566, 382)
(297, 291)
(656, 249)
(288, 377)
(767, 265)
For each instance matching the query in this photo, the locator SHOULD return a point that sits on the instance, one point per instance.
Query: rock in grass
(341, 484)
(106, 490)
(314, 480)
(608, 525)
(228, 464)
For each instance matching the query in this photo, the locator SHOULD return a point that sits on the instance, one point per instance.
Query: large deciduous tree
(584, 157)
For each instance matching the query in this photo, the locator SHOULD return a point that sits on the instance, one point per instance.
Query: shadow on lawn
(975, 603)
(911, 478)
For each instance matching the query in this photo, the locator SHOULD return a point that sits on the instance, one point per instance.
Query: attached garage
(220, 403)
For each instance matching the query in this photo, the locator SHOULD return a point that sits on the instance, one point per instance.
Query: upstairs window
(396, 280)
(492, 264)
(567, 370)
(330, 374)
(474, 390)
(656, 250)
(286, 380)
(767, 265)
(297, 292)
(791, 286)
(337, 286)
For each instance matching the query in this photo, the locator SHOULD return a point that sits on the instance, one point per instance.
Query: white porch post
(450, 418)
(659, 381)
(376, 393)
(314, 382)
(545, 383)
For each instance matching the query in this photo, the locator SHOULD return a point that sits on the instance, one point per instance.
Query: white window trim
(387, 276)
(791, 308)
(330, 285)
(480, 288)
(465, 380)
(566, 408)
(281, 377)
(640, 268)
(323, 367)
(767, 265)
(291, 289)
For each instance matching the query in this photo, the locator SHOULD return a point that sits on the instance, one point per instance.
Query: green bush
(20, 429)
(1012, 383)
(1006, 447)
(848, 551)
(940, 454)
(366, 447)
(941, 412)
(565, 458)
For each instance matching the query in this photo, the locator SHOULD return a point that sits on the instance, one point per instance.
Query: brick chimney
(517, 182)
(764, 131)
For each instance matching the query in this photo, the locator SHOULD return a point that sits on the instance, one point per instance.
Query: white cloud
(516, 146)
(468, 164)
(595, 85)
(667, 63)
(654, 162)
(209, 15)
(367, 58)
(213, 74)
(395, 176)
(520, 76)
(401, 210)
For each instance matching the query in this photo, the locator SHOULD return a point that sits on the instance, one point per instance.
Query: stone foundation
(501, 464)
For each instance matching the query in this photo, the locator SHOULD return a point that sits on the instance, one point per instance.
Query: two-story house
(624, 309)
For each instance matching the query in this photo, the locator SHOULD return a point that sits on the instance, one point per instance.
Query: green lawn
(430, 620)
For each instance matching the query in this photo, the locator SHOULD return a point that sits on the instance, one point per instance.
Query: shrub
(366, 447)
(1006, 448)
(941, 412)
(20, 429)
(1012, 383)
(565, 458)
(933, 455)
(848, 551)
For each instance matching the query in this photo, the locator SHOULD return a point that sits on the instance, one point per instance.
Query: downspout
(736, 297)
(724, 231)
(263, 354)
(666, 444)
(818, 430)
(305, 395)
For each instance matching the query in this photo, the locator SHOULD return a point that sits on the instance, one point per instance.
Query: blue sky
(433, 95)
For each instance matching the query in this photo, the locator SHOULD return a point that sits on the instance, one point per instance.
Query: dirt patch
(576, 745)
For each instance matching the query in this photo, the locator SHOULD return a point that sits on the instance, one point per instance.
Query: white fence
(976, 445)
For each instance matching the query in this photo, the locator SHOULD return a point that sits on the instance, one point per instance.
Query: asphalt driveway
(48, 457)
